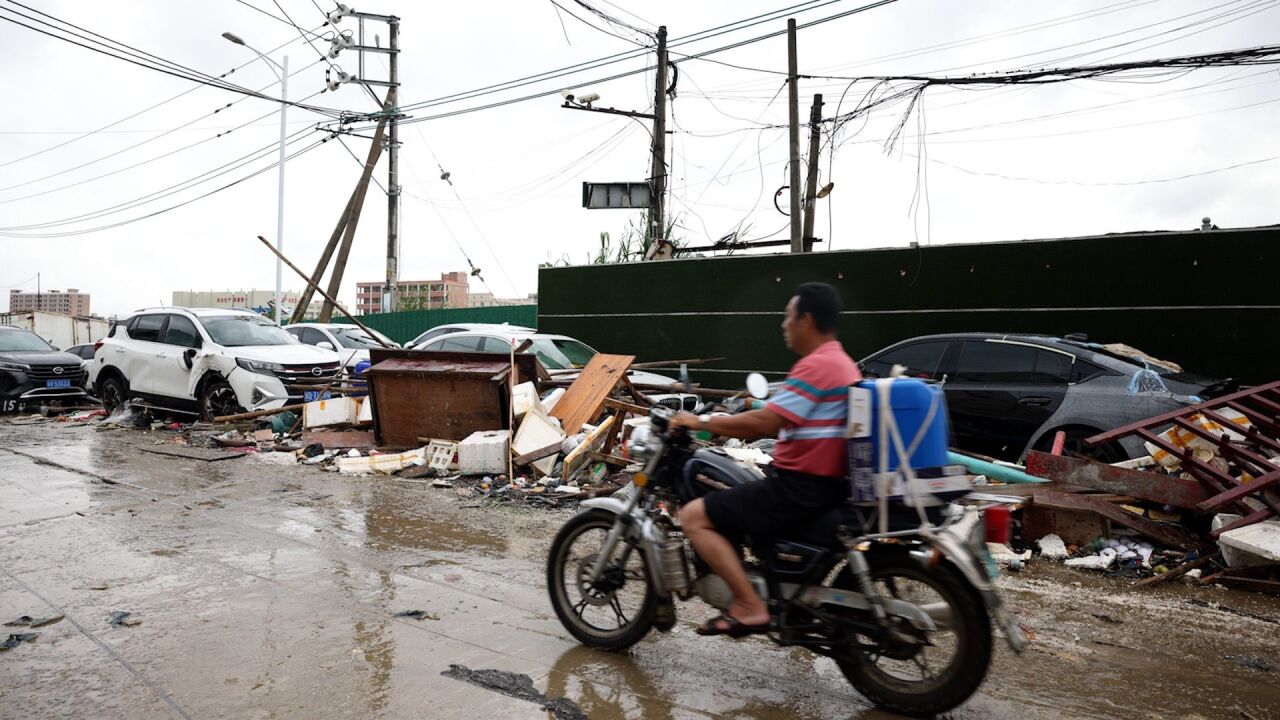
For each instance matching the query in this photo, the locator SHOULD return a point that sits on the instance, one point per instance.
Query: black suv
(32, 370)
(1008, 394)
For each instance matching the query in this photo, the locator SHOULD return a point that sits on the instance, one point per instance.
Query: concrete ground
(269, 591)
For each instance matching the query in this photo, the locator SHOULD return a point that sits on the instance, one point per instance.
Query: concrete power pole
(793, 110)
(657, 208)
(393, 169)
(811, 183)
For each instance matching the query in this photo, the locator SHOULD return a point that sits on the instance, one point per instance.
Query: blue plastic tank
(911, 400)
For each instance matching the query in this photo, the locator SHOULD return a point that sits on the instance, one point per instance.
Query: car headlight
(257, 366)
(15, 366)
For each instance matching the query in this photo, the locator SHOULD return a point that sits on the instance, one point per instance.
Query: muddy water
(268, 591)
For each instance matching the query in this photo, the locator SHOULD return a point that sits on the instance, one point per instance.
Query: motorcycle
(902, 599)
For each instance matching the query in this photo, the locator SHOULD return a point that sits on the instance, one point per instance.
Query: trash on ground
(16, 639)
(120, 618)
(33, 622)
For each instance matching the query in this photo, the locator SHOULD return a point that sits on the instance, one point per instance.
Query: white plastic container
(536, 432)
(524, 398)
(334, 411)
(484, 453)
(553, 397)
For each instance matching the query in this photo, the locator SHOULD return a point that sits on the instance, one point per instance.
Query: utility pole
(793, 110)
(811, 184)
(657, 219)
(393, 169)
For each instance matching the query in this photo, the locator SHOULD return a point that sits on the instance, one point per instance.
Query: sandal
(733, 627)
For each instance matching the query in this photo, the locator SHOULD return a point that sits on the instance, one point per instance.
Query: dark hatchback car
(32, 370)
(1008, 394)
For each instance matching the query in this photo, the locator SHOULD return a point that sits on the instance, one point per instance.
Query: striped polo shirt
(814, 403)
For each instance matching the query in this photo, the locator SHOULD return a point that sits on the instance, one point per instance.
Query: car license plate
(57, 383)
(313, 395)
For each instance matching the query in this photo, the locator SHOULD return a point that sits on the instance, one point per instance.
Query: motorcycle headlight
(15, 366)
(257, 366)
(640, 445)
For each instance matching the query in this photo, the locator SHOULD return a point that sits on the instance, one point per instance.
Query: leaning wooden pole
(326, 295)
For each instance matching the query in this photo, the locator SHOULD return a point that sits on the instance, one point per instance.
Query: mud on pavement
(259, 590)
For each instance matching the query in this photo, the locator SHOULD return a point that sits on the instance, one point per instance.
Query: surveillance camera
(567, 95)
(589, 98)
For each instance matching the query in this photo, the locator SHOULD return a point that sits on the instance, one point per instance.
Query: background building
(256, 300)
(488, 300)
(72, 302)
(450, 291)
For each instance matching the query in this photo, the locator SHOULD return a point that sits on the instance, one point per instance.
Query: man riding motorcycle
(808, 475)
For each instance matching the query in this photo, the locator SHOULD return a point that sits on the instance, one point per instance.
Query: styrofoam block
(484, 452)
(333, 411)
(536, 432)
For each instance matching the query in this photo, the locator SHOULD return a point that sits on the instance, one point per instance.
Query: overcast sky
(996, 168)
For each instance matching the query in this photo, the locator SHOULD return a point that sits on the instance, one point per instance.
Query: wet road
(268, 591)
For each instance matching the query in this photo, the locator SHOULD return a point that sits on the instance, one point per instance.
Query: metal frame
(1261, 405)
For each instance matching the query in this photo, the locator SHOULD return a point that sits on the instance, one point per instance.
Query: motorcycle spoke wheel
(918, 656)
(618, 608)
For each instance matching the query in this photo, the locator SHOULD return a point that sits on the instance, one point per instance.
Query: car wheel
(1076, 447)
(219, 399)
(113, 393)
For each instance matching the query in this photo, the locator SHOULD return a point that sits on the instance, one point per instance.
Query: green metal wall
(405, 326)
(1208, 301)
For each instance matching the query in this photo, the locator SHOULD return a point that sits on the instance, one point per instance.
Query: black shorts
(783, 501)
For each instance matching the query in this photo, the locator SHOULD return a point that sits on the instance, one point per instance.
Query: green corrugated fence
(405, 326)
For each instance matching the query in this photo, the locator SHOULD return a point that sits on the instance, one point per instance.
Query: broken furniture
(445, 395)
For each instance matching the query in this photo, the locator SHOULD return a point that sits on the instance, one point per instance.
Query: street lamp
(283, 75)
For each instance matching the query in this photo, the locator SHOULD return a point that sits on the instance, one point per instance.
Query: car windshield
(560, 353)
(355, 338)
(245, 330)
(16, 341)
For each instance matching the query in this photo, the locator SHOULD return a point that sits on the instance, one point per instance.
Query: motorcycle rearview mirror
(188, 357)
(758, 386)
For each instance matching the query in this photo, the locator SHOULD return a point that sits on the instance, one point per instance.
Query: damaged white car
(207, 362)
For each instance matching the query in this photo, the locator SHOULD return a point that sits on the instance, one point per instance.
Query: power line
(86, 231)
(635, 54)
(1130, 183)
(166, 191)
(95, 161)
(107, 128)
(137, 59)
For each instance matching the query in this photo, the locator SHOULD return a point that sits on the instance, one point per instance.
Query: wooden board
(1151, 486)
(358, 439)
(1171, 535)
(584, 400)
(193, 453)
(581, 454)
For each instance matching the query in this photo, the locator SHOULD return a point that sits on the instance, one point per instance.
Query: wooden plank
(193, 453)
(1239, 583)
(608, 459)
(594, 441)
(616, 404)
(1168, 534)
(584, 400)
(257, 414)
(1150, 486)
(536, 455)
(358, 439)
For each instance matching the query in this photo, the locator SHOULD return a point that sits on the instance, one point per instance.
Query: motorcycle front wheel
(921, 674)
(617, 610)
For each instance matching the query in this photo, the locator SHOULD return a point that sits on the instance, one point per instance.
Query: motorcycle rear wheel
(621, 608)
(882, 674)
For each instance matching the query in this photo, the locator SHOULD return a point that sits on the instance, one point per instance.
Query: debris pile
(1208, 490)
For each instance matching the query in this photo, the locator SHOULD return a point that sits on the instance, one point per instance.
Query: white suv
(206, 362)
